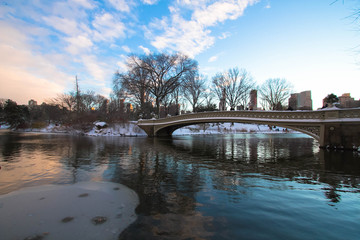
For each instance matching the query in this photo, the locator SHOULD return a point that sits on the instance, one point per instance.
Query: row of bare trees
(88, 106)
(168, 80)
(173, 79)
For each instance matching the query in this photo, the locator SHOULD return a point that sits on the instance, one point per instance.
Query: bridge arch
(167, 130)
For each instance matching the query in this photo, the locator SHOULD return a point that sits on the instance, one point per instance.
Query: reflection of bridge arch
(338, 128)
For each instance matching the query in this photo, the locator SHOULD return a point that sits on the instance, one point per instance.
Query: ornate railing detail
(313, 130)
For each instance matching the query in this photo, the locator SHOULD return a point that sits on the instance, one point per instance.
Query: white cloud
(121, 5)
(95, 68)
(224, 35)
(213, 59)
(150, 2)
(64, 25)
(79, 44)
(122, 66)
(126, 49)
(192, 36)
(107, 28)
(84, 3)
(184, 36)
(146, 50)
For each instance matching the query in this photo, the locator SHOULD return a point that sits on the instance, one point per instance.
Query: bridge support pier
(340, 135)
(151, 131)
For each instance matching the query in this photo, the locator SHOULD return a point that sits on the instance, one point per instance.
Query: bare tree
(234, 85)
(134, 81)
(164, 73)
(65, 100)
(274, 92)
(88, 100)
(209, 97)
(194, 89)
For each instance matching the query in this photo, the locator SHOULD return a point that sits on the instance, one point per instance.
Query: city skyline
(311, 44)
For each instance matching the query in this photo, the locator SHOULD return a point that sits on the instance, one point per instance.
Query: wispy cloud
(192, 35)
(121, 5)
(224, 35)
(146, 50)
(107, 28)
(150, 2)
(213, 59)
(126, 49)
(79, 44)
(90, 4)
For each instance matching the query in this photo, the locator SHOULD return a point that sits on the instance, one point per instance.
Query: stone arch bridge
(338, 128)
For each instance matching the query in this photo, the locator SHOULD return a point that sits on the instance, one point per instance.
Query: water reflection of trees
(167, 174)
(10, 147)
(166, 188)
(294, 159)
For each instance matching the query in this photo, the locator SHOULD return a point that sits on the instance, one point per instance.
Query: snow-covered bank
(125, 129)
(86, 210)
(131, 129)
(223, 128)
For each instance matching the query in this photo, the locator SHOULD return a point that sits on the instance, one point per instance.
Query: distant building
(32, 103)
(222, 103)
(300, 101)
(253, 100)
(346, 101)
(293, 101)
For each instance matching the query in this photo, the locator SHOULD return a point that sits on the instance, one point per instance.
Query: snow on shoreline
(130, 129)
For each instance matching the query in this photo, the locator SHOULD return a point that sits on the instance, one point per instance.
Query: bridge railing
(286, 115)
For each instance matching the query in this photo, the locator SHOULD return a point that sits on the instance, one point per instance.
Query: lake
(242, 186)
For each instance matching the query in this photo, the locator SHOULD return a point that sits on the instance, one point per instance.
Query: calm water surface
(246, 186)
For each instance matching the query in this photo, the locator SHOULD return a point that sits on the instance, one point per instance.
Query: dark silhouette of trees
(330, 99)
(15, 115)
(2, 105)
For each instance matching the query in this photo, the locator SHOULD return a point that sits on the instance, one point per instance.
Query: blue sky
(44, 44)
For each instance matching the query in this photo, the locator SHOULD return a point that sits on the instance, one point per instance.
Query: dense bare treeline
(154, 85)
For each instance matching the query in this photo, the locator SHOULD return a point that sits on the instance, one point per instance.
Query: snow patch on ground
(223, 128)
(4, 126)
(118, 129)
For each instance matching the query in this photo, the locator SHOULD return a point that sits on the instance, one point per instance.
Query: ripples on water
(246, 186)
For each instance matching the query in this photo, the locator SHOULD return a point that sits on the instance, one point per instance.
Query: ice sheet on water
(86, 210)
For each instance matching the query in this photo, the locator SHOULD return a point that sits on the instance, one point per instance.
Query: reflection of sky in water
(212, 187)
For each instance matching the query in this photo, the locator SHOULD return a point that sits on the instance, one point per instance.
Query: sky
(44, 44)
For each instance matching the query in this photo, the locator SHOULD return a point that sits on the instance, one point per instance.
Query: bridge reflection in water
(335, 128)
